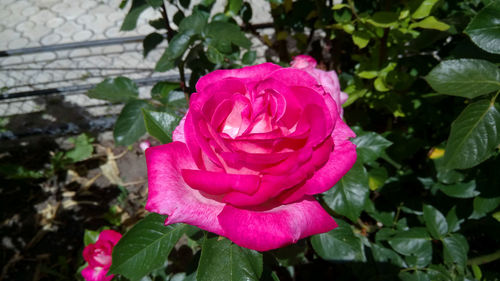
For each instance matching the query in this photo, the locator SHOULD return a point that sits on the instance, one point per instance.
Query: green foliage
(129, 126)
(145, 247)
(120, 89)
(222, 260)
(484, 29)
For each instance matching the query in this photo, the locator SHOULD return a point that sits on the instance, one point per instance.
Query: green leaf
(349, 195)
(214, 56)
(150, 42)
(455, 248)
(483, 206)
(452, 220)
(83, 148)
(233, 7)
(155, 3)
(223, 34)
(222, 260)
(384, 19)
(145, 247)
(417, 275)
(129, 126)
(424, 9)
(368, 74)
(361, 38)
(377, 177)
(459, 190)
(430, 23)
(415, 241)
(249, 57)
(467, 78)
(383, 255)
(119, 89)
(90, 236)
(435, 222)
(484, 28)
(130, 21)
(185, 3)
(370, 146)
(380, 85)
(176, 48)
(339, 244)
(246, 12)
(160, 124)
(194, 23)
(474, 136)
(161, 90)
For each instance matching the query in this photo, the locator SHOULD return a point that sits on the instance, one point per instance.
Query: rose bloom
(98, 256)
(255, 146)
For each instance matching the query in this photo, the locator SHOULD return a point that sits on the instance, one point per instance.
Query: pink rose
(255, 146)
(98, 256)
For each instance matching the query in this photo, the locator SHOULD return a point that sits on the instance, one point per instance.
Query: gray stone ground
(37, 23)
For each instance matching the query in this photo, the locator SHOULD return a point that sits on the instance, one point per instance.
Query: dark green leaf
(160, 124)
(340, 244)
(119, 89)
(483, 206)
(384, 19)
(415, 241)
(459, 190)
(447, 176)
(185, 3)
(221, 260)
(178, 17)
(145, 247)
(161, 90)
(13, 171)
(130, 21)
(157, 23)
(129, 126)
(416, 275)
(176, 48)
(349, 195)
(370, 146)
(474, 136)
(455, 248)
(383, 255)
(246, 12)
(155, 3)
(150, 42)
(249, 57)
(435, 222)
(452, 220)
(214, 56)
(223, 34)
(484, 29)
(467, 78)
(194, 23)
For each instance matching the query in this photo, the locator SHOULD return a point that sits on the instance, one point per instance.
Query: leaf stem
(170, 31)
(486, 258)
(494, 98)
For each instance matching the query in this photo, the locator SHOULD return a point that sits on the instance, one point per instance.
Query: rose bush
(98, 256)
(255, 146)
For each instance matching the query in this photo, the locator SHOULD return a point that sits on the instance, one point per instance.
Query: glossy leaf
(474, 136)
(90, 236)
(130, 21)
(339, 244)
(484, 28)
(119, 89)
(145, 247)
(452, 220)
(468, 78)
(160, 124)
(176, 48)
(129, 126)
(249, 57)
(382, 255)
(161, 91)
(361, 38)
(435, 222)
(349, 195)
(223, 34)
(194, 23)
(459, 190)
(416, 275)
(483, 206)
(222, 260)
(415, 241)
(370, 146)
(234, 6)
(384, 19)
(455, 248)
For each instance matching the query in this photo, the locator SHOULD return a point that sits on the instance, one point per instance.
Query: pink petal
(178, 133)
(110, 235)
(96, 274)
(303, 62)
(249, 73)
(170, 195)
(219, 183)
(264, 230)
